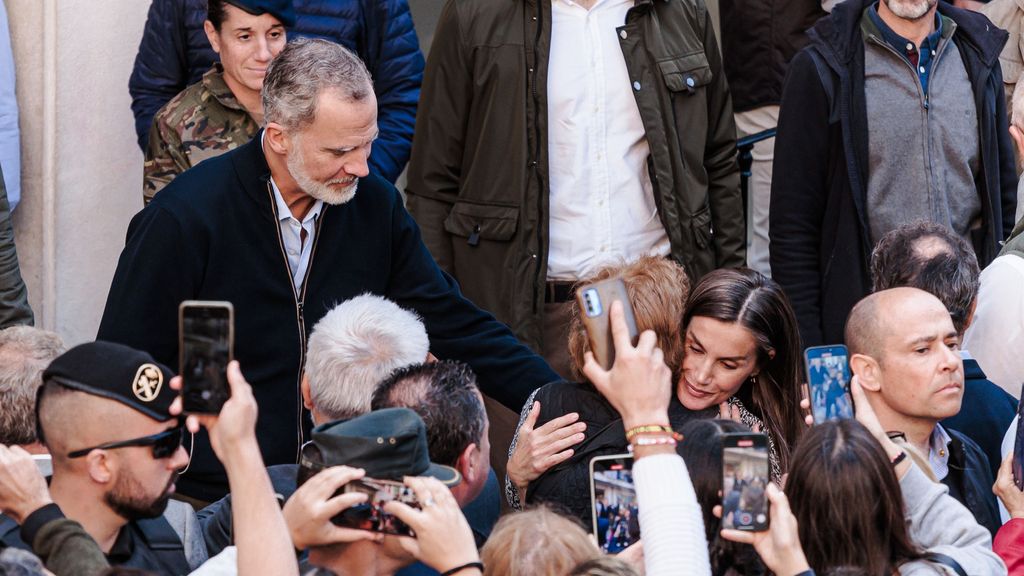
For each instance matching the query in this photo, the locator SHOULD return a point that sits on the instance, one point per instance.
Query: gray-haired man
(276, 227)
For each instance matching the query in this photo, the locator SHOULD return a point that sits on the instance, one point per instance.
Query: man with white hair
(353, 348)
(276, 228)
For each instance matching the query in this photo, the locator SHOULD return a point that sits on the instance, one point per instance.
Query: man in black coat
(889, 115)
(276, 227)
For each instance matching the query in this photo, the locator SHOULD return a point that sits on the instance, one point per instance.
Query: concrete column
(81, 167)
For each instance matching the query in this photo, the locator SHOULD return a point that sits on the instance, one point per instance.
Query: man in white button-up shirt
(557, 137)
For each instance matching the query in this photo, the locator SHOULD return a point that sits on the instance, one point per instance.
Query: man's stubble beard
(910, 9)
(321, 191)
(125, 500)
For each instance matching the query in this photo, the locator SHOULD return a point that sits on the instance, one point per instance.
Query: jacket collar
(252, 170)
(840, 33)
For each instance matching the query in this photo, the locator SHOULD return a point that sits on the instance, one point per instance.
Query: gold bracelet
(647, 429)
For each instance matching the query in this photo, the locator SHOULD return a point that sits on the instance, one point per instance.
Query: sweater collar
(839, 33)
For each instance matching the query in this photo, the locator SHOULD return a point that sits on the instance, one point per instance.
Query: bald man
(103, 414)
(904, 351)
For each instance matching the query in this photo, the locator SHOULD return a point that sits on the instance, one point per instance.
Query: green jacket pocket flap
(481, 221)
(686, 72)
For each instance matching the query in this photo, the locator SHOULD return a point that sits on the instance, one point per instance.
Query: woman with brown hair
(739, 359)
(851, 490)
(742, 357)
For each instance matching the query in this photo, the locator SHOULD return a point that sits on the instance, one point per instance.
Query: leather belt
(559, 292)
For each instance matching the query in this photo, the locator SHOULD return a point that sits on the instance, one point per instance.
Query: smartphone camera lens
(592, 302)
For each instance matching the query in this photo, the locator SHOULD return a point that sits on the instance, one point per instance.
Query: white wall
(81, 167)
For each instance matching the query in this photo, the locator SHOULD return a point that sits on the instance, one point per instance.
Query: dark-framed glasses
(164, 444)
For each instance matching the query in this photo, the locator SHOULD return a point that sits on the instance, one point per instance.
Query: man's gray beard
(910, 10)
(125, 501)
(297, 168)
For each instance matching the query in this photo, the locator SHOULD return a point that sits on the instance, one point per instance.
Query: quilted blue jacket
(175, 53)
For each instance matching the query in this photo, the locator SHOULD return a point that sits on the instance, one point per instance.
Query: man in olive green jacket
(14, 308)
(555, 137)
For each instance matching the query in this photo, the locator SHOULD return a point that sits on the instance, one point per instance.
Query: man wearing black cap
(388, 444)
(103, 413)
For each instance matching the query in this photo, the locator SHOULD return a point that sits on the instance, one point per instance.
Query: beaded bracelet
(632, 432)
(653, 441)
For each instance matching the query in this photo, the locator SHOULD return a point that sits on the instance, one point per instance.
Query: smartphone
(206, 340)
(828, 381)
(595, 301)
(370, 515)
(613, 504)
(745, 477)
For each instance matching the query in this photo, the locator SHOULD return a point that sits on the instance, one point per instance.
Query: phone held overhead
(206, 333)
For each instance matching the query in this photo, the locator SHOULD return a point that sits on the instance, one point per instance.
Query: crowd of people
(383, 343)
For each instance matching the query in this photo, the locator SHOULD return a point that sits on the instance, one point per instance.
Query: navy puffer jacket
(175, 53)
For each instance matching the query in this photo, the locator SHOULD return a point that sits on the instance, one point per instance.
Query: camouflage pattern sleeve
(165, 156)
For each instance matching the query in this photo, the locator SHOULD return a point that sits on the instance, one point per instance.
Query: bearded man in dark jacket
(893, 113)
(277, 228)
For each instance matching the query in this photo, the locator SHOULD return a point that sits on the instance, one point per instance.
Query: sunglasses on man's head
(164, 444)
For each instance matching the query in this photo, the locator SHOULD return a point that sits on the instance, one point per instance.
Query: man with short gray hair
(276, 227)
(352, 349)
(24, 353)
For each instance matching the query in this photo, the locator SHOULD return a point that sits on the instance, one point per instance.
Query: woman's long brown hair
(754, 301)
(847, 501)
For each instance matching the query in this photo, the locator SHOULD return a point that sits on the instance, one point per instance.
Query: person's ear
(467, 464)
(307, 397)
(101, 466)
(868, 372)
(212, 35)
(278, 140)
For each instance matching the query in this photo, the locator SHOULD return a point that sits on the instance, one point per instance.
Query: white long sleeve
(671, 522)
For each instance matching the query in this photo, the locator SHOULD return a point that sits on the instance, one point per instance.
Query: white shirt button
(636, 85)
(622, 34)
(921, 69)
(910, 46)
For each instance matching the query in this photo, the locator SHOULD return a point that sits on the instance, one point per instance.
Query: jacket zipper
(299, 298)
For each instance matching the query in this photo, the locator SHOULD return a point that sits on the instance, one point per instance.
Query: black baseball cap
(116, 372)
(280, 9)
(388, 444)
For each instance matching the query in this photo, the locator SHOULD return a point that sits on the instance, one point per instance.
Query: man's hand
(539, 449)
(443, 537)
(639, 385)
(233, 430)
(779, 547)
(22, 487)
(309, 511)
(1007, 491)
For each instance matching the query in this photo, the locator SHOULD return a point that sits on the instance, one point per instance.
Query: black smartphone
(370, 515)
(745, 477)
(616, 521)
(828, 381)
(1018, 451)
(206, 339)
(595, 301)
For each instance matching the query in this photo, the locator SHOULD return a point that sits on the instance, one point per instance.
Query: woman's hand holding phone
(779, 547)
(443, 538)
(639, 385)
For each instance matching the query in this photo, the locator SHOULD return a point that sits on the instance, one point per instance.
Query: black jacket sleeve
(158, 269)
(799, 190)
(161, 66)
